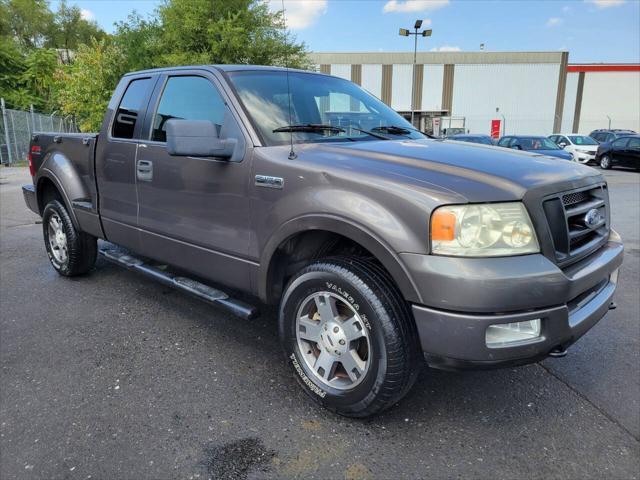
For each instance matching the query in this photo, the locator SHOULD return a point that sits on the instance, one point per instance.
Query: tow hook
(558, 352)
(613, 306)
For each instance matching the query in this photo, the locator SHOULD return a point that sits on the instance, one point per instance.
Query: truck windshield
(345, 111)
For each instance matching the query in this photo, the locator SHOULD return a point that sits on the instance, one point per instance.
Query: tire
(387, 354)
(605, 162)
(70, 251)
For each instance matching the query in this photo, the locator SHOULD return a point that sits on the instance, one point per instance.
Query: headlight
(482, 230)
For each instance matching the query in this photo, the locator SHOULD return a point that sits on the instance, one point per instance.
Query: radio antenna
(292, 154)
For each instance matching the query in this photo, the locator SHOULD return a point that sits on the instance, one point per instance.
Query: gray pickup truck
(381, 246)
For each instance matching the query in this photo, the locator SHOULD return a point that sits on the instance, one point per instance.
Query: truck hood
(473, 172)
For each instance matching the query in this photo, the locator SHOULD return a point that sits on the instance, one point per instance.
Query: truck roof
(221, 68)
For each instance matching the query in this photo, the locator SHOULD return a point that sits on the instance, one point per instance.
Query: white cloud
(446, 48)
(606, 3)
(300, 14)
(554, 22)
(404, 6)
(87, 14)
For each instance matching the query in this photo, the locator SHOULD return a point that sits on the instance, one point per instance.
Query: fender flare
(59, 170)
(346, 228)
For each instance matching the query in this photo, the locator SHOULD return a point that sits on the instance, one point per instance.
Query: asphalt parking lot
(114, 376)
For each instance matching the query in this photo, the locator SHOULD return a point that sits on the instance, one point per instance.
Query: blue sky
(592, 30)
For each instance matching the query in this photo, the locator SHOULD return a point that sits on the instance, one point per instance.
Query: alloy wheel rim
(57, 239)
(333, 340)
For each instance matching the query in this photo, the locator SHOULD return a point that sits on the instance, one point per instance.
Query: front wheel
(70, 251)
(605, 162)
(349, 336)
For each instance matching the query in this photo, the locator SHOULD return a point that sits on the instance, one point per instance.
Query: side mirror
(197, 138)
(516, 147)
(562, 144)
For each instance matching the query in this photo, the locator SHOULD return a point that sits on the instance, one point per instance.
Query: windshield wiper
(309, 127)
(392, 129)
(396, 130)
(375, 135)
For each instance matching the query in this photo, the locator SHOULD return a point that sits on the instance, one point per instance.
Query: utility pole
(405, 33)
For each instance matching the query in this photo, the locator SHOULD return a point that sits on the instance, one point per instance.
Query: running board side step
(192, 287)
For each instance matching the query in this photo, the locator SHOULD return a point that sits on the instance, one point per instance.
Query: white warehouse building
(535, 93)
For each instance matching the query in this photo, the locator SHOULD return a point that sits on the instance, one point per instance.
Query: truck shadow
(476, 397)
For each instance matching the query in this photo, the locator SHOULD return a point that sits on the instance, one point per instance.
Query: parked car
(451, 131)
(540, 145)
(472, 138)
(604, 135)
(381, 247)
(622, 151)
(581, 147)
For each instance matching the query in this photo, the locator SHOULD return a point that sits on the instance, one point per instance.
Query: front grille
(578, 221)
(575, 197)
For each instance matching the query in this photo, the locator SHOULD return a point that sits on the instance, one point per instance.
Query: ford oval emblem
(592, 218)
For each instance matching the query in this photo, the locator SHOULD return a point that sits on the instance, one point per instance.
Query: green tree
(26, 80)
(69, 30)
(12, 67)
(209, 31)
(140, 42)
(38, 77)
(85, 87)
(27, 21)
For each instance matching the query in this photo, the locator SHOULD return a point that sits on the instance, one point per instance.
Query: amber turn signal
(443, 225)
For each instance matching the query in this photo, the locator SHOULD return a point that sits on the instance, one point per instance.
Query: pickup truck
(382, 247)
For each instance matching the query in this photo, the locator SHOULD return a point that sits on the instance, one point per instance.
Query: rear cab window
(132, 106)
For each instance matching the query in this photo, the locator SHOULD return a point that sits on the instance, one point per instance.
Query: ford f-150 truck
(381, 247)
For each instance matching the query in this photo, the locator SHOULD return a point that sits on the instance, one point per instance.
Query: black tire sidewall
(69, 230)
(300, 288)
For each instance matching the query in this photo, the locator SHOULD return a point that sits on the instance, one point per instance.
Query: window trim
(156, 97)
(144, 108)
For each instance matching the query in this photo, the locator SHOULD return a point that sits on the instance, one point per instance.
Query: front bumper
(29, 194)
(568, 302)
(584, 157)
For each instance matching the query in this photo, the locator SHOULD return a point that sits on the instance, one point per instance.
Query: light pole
(405, 33)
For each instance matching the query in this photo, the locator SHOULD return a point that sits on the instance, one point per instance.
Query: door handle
(144, 170)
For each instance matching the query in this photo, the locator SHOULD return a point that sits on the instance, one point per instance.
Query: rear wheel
(349, 336)
(605, 162)
(70, 251)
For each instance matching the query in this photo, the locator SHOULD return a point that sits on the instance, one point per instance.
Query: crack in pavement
(602, 411)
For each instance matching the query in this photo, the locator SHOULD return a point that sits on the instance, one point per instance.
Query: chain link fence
(17, 126)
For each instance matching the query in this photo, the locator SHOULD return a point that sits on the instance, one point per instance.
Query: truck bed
(68, 159)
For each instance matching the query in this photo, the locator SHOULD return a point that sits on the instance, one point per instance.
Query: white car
(582, 147)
